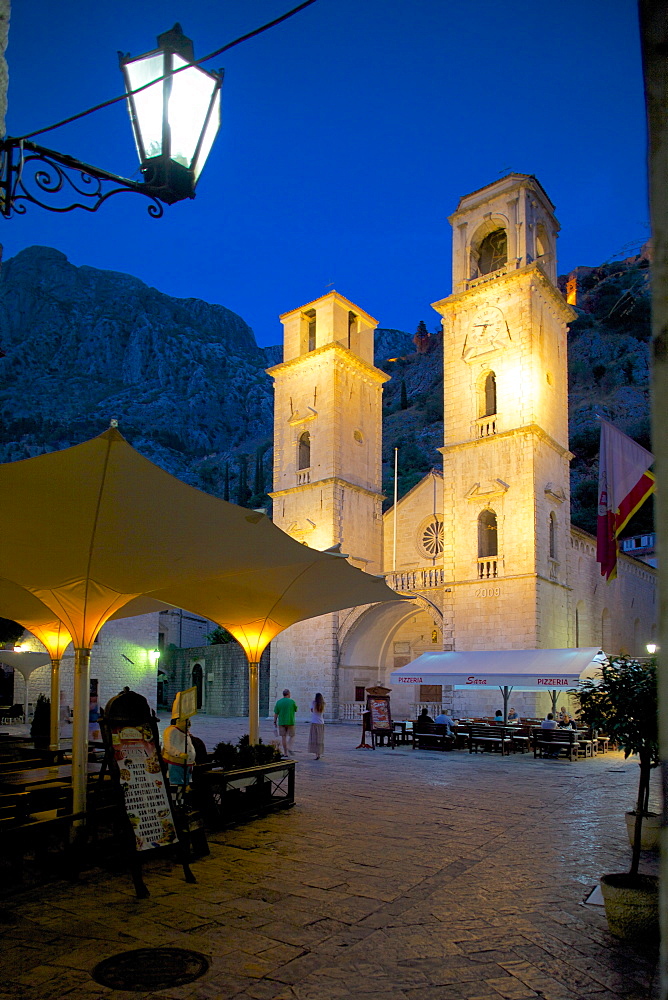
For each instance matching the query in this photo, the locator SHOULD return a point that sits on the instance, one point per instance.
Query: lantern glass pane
(209, 135)
(189, 102)
(148, 104)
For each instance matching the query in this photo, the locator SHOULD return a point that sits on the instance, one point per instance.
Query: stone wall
(224, 678)
(620, 616)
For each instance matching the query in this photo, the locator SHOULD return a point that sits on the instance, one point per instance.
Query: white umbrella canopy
(255, 605)
(520, 669)
(21, 606)
(26, 663)
(90, 528)
(523, 669)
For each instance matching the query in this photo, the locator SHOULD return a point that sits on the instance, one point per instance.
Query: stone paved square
(398, 875)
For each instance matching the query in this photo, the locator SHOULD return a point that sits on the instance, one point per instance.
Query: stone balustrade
(419, 579)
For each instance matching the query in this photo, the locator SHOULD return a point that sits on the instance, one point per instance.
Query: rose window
(432, 538)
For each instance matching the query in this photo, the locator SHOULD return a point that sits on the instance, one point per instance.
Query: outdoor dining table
(21, 781)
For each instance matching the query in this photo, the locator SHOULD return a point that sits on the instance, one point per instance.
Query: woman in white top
(316, 736)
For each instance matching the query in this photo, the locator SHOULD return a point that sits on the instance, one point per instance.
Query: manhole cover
(150, 969)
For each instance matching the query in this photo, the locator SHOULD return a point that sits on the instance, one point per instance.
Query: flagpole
(394, 533)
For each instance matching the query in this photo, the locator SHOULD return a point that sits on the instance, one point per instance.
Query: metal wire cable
(197, 62)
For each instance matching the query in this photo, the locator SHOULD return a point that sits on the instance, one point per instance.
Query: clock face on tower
(487, 332)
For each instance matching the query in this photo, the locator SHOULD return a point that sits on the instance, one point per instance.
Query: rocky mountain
(184, 378)
(187, 383)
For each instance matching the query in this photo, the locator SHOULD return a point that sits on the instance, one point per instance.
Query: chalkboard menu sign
(144, 794)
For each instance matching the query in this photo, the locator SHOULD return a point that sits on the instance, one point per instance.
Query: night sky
(349, 133)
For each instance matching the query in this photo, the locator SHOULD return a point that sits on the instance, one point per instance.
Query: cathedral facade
(483, 548)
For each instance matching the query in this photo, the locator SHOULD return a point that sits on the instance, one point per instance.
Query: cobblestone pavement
(399, 875)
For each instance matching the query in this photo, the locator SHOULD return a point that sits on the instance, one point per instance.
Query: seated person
(498, 717)
(423, 719)
(566, 722)
(445, 720)
(513, 716)
(548, 722)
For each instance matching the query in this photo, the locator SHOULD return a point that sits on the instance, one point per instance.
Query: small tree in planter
(624, 704)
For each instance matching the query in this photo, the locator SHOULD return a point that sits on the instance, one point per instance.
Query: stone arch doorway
(197, 679)
(380, 639)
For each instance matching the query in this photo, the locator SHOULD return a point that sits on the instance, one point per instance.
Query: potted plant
(245, 780)
(41, 721)
(624, 704)
(232, 757)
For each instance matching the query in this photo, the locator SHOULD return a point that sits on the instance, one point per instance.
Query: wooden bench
(26, 763)
(488, 738)
(554, 742)
(520, 739)
(432, 736)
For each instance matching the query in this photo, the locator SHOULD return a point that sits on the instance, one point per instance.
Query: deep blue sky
(349, 133)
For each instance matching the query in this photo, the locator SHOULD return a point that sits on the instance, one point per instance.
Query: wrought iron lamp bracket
(31, 174)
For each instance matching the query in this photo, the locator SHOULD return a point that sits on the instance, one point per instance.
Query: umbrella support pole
(253, 702)
(54, 726)
(80, 731)
(505, 691)
(554, 694)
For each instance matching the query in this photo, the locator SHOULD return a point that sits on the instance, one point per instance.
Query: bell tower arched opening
(488, 400)
(304, 447)
(488, 537)
(493, 252)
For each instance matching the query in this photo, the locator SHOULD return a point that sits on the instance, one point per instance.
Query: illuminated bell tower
(506, 458)
(327, 470)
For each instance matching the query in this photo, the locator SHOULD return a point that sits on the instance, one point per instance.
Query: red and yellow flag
(624, 483)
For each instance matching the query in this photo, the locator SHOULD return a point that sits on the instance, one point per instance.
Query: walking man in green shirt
(284, 720)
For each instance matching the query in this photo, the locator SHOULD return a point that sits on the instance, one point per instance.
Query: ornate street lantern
(175, 112)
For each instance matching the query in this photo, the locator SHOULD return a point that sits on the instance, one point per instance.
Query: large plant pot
(651, 827)
(632, 906)
(232, 797)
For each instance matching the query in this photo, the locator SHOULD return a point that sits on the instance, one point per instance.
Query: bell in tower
(502, 228)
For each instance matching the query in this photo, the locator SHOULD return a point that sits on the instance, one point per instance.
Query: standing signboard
(145, 795)
(132, 744)
(380, 716)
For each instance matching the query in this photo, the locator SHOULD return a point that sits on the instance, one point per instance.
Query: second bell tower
(327, 468)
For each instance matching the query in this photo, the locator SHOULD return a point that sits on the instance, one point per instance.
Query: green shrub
(244, 754)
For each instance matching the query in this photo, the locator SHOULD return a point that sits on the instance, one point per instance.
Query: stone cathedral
(484, 550)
